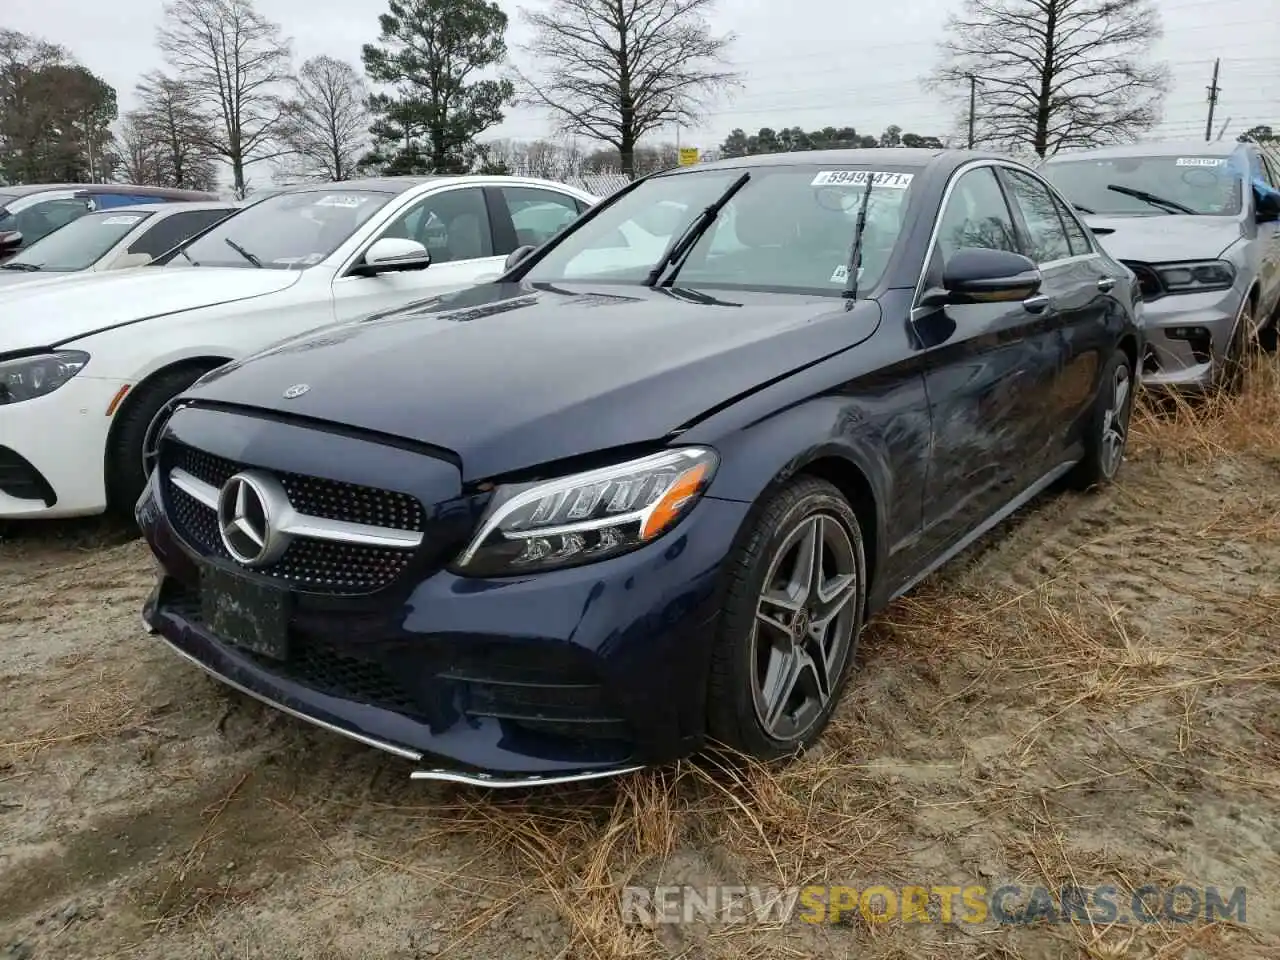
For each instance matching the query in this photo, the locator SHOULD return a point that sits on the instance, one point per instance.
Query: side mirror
(1267, 207)
(978, 275)
(10, 241)
(516, 255)
(393, 255)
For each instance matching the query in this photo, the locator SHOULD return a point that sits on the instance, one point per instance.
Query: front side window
(787, 228)
(36, 219)
(287, 231)
(452, 224)
(976, 216)
(78, 245)
(1076, 233)
(1149, 186)
(1040, 212)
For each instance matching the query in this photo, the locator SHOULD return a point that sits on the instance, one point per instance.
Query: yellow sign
(688, 156)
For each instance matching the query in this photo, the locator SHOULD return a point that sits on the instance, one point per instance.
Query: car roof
(397, 185)
(918, 157)
(173, 206)
(1165, 148)
(133, 189)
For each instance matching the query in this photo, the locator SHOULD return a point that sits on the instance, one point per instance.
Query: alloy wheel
(1115, 421)
(803, 627)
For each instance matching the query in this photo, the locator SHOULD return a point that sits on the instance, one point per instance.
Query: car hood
(1160, 239)
(509, 377)
(48, 314)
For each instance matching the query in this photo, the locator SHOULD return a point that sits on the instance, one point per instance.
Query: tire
(1108, 430)
(125, 476)
(1236, 358)
(1268, 338)
(737, 716)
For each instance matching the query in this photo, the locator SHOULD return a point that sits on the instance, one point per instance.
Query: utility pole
(973, 103)
(1213, 101)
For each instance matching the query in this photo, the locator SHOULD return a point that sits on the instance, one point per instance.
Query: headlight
(1195, 276)
(589, 516)
(25, 378)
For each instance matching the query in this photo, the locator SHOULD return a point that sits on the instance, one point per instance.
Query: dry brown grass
(1058, 653)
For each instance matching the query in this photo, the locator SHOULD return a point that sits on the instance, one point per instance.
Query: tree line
(1042, 75)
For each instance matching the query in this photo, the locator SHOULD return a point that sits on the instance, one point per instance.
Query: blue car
(619, 503)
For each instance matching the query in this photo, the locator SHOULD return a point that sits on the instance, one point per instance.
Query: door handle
(1106, 283)
(1037, 304)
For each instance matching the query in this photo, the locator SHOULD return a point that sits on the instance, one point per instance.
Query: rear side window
(1076, 234)
(175, 229)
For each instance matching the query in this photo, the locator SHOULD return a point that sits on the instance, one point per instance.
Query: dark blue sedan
(641, 493)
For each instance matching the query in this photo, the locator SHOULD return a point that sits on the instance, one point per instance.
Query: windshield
(287, 231)
(80, 244)
(788, 228)
(1209, 186)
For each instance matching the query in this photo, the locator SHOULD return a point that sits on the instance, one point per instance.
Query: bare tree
(328, 120)
(179, 131)
(1054, 74)
(236, 62)
(615, 70)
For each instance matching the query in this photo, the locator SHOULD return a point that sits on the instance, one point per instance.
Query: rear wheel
(126, 476)
(1108, 431)
(793, 613)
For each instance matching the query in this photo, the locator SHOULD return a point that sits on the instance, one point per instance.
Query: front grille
(1148, 280)
(18, 478)
(322, 566)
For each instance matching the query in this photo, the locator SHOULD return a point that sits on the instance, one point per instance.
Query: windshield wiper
(242, 251)
(25, 267)
(1083, 209)
(683, 243)
(855, 252)
(1156, 201)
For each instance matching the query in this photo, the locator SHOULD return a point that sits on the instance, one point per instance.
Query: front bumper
(52, 451)
(549, 678)
(1188, 364)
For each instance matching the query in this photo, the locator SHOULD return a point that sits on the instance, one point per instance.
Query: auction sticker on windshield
(120, 221)
(1199, 162)
(338, 200)
(854, 178)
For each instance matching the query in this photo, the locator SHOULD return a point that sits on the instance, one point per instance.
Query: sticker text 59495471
(858, 178)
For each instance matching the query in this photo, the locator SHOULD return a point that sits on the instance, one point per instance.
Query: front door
(454, 225)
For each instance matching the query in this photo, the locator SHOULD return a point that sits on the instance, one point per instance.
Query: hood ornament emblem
(297, 390)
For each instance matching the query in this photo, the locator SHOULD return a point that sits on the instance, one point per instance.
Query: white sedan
(87, 362)
(113, 239)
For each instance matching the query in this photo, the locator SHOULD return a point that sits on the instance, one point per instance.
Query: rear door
(988, 367)
(1078, 286)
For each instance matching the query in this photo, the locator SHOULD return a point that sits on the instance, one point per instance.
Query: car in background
(31, 212)
(87, 364)
(114, 239)
(1199, 224)
(607, 509)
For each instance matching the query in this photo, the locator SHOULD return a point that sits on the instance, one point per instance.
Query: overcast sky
(807, 62)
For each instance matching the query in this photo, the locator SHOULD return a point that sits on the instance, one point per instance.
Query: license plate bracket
(250, 615)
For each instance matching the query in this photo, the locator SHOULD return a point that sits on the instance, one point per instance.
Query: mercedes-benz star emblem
(297, 390)
(250, 509)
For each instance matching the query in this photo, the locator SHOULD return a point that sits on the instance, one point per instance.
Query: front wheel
(793, 612)
(1108, 429)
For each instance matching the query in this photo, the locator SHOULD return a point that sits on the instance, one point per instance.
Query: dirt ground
(1089, 697)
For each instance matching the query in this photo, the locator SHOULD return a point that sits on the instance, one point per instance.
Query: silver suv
(1199, 224)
